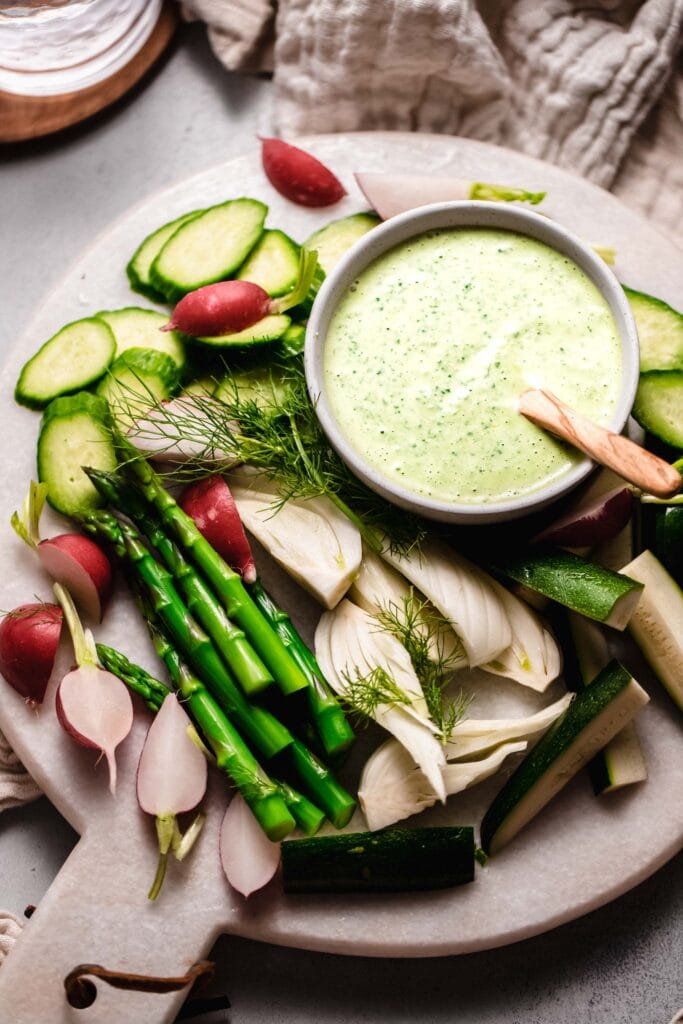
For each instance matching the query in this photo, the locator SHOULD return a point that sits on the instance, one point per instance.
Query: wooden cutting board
(30, 117)
(577, 855)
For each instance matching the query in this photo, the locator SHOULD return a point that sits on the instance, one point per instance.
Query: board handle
(636, 465)
(91, 915)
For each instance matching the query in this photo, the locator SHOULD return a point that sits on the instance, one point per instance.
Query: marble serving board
(577, 855)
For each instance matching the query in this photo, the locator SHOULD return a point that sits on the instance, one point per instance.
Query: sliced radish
(591, 523)
(75, 561)
(248, 857)
(390, 194)
(172, 776)
(29, 638)
(212, 507)
(299, 176)
(172, 771)
(93, 706)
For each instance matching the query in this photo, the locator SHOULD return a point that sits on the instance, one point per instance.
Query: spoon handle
(629, 460)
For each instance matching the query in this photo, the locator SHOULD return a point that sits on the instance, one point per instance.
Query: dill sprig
(364, 694)
(435, 655)
(280, 434)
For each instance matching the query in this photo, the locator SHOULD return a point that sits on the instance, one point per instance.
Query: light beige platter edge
(576, 856)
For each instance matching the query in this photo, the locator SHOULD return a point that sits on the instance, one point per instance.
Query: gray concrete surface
(621, 964)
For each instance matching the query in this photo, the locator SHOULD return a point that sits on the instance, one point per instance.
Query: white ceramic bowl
(463, 214)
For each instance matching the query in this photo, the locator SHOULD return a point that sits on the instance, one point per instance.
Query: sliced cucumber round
(208, 248)
(336, 238)
(273, 263)
(264, 385)
(134, 327)
(292, 342)
(141, 377)
(659, 405)
(72, 359)
(270, 328)
(74, 432)
(140, 264)
(593, 718)
(660, 332)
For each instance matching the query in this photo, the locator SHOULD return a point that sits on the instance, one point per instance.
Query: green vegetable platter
(570, 859)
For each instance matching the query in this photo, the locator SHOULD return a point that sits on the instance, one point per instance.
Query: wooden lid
(30, 117)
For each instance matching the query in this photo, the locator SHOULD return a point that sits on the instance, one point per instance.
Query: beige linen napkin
(16, 785)
(591, 85)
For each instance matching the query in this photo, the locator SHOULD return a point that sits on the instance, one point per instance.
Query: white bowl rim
(464, 213)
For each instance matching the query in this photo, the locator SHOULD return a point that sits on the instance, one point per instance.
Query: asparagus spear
(239, 655)
(257, 724)
(335, 732)
(232, 754)
(226, 583)
(207, 715)
(260, 727)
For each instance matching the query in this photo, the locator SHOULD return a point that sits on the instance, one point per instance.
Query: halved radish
(299, 176)
(212, 507)
(248, 857)
(71, 559)
(390, 194)
(590, 523)
(172, 776)
(93, 706)
(29, 638)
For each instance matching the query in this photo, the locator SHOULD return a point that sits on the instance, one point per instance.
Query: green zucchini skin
(658, 405)
(393, 860)
(660, 332)
(140, 263)
(72, 359)
(532, 785)
(75, 431)
(662, 529)
(208, 248)
(572, 581)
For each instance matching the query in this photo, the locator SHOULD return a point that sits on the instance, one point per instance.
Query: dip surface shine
(427, 354)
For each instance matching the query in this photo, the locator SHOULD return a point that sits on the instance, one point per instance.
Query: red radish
(248, 857)
(93, 705)
(76, 562)
(172, 776)
(299, 176)
(212, 506)
(29, 638)
(223, 308)
(228, 307)
(592, 523)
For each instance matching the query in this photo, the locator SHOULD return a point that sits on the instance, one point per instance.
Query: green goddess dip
(427, 354)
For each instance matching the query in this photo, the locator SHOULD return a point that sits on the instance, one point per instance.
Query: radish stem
(82, 640)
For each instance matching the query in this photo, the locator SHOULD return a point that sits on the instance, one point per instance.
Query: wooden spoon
(629, 460)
